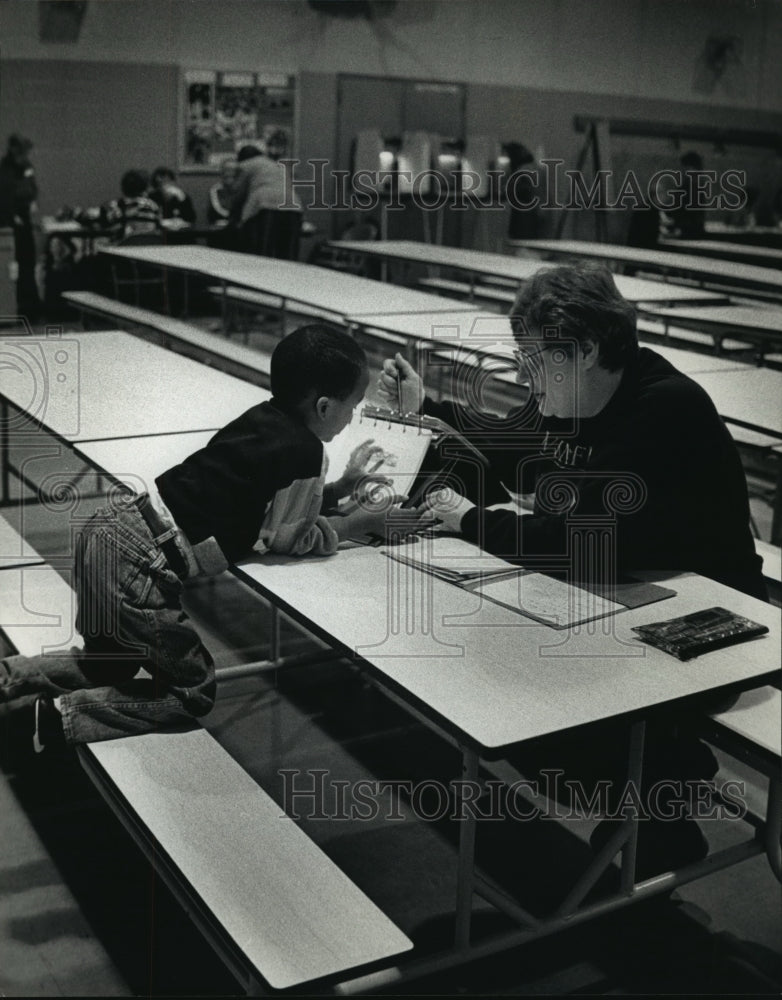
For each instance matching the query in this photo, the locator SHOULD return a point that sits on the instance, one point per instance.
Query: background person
(173, 201)
(266, 214)
(18, 193)
(134, 212)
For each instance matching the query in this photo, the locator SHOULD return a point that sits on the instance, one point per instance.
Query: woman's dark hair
(134, 183)
(579, 302)
(316, 358)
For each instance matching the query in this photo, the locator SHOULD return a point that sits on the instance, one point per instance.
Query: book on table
(534, 594)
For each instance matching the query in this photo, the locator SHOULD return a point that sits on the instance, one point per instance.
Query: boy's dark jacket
(257, 485)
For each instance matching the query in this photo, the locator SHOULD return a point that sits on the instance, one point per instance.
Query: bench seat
(669, 331)
(753, 728)
(494, 294)
(264, 300)
(271, 902)
(39, 609)
(235, 359)
(14, 550)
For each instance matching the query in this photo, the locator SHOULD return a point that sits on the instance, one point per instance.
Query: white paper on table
(546, 599)
(454, 555)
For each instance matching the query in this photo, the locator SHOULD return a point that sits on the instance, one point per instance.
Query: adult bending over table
(608, 430)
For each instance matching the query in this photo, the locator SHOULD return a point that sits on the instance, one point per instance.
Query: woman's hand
(384, 518)
(399, 378)
(448, 508)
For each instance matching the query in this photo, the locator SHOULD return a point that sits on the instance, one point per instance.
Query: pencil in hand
(399, 390)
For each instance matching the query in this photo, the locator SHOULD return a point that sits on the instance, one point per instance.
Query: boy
(135, 212)
(257, 487)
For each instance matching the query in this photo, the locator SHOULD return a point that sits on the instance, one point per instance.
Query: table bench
(751, 731)
(262, 300)
(234, 359)
(270, 902)
(476, 291)
(14, 550)
(650, 324)
(275, 908)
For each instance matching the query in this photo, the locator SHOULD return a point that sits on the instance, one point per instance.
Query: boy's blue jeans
(130, 615)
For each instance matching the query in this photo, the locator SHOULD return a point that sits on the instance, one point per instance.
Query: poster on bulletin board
(223, 111)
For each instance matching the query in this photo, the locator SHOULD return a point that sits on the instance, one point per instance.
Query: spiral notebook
(404, 445)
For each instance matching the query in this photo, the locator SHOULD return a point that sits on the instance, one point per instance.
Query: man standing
(18, 191)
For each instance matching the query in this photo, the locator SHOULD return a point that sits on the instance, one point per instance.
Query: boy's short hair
(134, 183)
(580, 302)
(316, 358)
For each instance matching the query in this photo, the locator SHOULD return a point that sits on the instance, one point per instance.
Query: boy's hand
(398, 376)
(384, 520)
(358, 479)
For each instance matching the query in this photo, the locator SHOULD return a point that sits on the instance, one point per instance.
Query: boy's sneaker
(48, 726)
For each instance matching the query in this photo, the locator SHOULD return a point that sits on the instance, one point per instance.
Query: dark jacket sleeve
(660, 481)
(510, 450)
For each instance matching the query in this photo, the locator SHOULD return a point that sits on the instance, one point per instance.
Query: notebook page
(454, 555)
(404, 447)
(547, 600)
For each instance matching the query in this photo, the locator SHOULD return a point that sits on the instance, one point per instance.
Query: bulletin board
(223, 111)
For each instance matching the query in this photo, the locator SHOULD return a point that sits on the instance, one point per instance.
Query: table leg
(274, 633)
(224, 305)
(634, 776)
(5, 442)
(466, 868)
(776, 518)
(774, 826)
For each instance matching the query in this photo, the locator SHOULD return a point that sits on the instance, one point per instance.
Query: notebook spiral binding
(435, 426)
(382, 415)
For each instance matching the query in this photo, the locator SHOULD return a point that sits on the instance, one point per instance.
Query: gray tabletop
(110, 384)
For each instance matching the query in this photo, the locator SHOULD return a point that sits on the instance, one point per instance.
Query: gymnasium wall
(109, 101)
